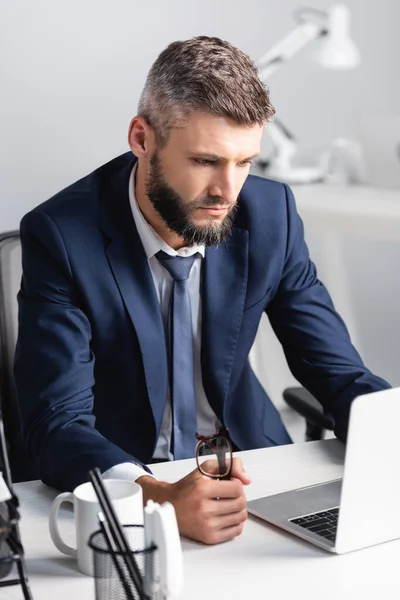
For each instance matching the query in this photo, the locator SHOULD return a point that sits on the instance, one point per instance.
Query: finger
(216, 508)
(223, 489)
(228, 533)
(229, 520)
(238, 471)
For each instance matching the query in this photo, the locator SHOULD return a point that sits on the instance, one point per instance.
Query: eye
(204, 161)
(244, 163)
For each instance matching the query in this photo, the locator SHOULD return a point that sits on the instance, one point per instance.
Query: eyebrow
(216, 157)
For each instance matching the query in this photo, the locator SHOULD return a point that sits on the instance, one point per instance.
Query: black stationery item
(5, 553)
(107, 537)
(116, 531)
(11, 550)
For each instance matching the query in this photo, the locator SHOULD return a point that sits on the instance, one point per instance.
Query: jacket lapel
(132, 274)
(223, 296)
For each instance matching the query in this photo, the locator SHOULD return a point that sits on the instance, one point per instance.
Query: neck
(149, 212)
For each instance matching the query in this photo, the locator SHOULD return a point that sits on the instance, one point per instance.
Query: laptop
(363, 508)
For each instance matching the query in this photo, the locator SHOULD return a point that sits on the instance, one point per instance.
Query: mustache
(210, 202)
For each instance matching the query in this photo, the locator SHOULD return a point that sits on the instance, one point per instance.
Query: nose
(225, 185)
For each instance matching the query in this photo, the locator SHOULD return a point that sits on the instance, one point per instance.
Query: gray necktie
(181, 355)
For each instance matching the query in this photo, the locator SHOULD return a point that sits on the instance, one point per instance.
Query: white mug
(127, 500)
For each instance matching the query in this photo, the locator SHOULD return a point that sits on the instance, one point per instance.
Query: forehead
(211, 134)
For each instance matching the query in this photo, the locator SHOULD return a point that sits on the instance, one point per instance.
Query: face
(194, 181)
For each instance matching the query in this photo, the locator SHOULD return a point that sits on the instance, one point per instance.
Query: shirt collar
(152, 242)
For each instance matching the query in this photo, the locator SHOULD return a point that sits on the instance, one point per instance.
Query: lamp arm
(284, 144)
(288, 47)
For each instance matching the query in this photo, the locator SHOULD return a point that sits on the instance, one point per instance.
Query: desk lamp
(334, 50)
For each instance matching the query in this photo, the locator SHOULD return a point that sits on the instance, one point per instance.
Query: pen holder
(108, 584)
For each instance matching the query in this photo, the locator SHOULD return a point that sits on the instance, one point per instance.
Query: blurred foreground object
(11, 550)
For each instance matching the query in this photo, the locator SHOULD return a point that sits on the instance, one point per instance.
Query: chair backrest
(10, 280)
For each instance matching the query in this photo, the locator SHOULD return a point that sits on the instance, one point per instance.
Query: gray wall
(71, 74)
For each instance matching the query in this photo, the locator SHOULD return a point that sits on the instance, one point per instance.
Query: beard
(177, 214)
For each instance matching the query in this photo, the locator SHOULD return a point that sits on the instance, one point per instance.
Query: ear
(141, 137)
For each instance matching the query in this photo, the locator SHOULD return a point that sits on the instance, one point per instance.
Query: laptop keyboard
(322, 523)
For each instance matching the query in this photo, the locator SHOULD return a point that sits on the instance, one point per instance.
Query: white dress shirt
(207, 421)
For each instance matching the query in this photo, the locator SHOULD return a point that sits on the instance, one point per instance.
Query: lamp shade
(336, 49)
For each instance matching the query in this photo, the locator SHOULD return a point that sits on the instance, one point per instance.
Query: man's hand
(207, 510)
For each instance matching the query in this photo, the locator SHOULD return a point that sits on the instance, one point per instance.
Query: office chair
(304, 403)
(21, 466)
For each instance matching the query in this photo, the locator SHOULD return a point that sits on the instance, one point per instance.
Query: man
(143, 287)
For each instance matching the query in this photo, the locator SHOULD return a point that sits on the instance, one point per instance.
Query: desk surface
(355, 210)
(262, 563)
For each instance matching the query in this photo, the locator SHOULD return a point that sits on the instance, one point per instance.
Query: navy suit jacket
(91, 362)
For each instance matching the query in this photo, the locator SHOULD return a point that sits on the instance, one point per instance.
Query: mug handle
(53, 524)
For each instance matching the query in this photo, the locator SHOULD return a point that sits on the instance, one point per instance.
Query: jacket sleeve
(54, 364)
(315, 339)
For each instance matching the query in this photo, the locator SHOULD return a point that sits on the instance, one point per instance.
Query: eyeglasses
(214, 454)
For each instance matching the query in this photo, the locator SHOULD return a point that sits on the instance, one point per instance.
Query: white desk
(262, 563)
(356, 209)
